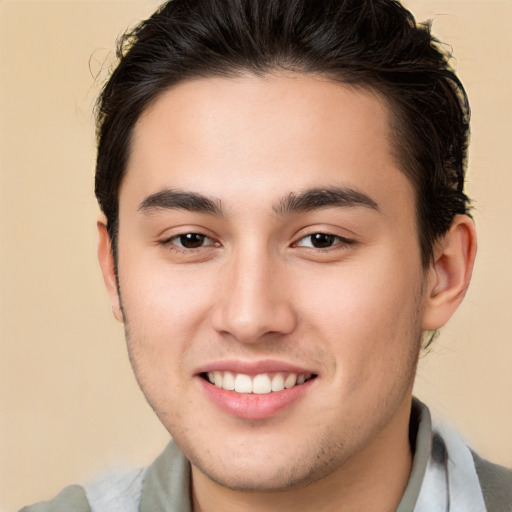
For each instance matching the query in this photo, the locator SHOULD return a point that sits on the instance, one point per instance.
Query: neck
(374, 479)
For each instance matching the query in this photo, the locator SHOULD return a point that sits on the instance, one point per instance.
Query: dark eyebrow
(317, 198)
(179, 200)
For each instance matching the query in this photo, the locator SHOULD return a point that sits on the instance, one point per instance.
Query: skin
(352, 311)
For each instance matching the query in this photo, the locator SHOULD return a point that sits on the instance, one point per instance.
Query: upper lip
(253, 367)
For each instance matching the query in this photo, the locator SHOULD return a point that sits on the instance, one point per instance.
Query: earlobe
(450, 274)
(106, 260)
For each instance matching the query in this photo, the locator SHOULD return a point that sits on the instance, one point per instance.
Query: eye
(190, 241)
(322, 241)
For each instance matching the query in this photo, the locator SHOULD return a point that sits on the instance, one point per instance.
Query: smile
(259, 384)
(255, 390)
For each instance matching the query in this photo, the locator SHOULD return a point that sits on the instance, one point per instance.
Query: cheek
(165, 311)
(360, 298)
(369, 315)
(163, 298)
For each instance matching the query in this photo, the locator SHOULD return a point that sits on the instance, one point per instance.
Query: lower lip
(252, 406)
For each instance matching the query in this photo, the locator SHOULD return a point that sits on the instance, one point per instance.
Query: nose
(254, 303)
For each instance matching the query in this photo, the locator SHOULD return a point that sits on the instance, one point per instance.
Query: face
(270, 276)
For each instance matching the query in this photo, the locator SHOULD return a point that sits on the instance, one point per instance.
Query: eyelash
(334, 242)
(171, 242)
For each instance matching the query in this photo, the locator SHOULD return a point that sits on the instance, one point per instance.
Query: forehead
(270, 135)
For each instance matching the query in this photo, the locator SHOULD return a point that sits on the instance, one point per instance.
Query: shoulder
(71, 498)
(496, 484)
(165, 481)
(115, 490)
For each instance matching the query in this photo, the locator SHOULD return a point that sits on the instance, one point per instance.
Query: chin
(255, 481)
(269, 473)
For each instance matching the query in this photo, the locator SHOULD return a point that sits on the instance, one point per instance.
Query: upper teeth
(258, 384)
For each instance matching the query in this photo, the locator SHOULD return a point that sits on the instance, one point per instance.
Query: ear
(450, 274)
(106, 260)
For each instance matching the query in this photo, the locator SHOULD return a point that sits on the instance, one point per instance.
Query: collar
(443, 475)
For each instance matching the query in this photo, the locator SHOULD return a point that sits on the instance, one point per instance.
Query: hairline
(396, 122)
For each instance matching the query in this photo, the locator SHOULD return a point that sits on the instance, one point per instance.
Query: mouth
(255, 391)
(259, 384)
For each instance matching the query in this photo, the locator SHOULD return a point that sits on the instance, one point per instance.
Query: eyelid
(344, 236)
(174, 237)
(169, 241)
(340, 241)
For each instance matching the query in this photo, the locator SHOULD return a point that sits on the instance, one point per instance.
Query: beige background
(69, 404)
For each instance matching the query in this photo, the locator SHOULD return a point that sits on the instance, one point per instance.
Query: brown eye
(190, 240)
(323, 240)
(319, 241)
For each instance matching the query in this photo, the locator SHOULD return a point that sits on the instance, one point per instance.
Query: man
(284, 226)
